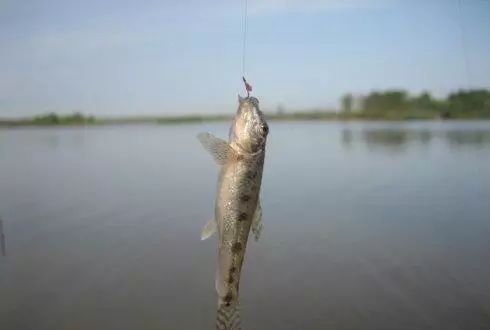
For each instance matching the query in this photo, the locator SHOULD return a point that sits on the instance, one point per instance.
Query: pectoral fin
(218, 148)
(257, 222)
(208, 230)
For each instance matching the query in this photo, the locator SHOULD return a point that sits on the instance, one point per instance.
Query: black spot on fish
(242, 216)
(230, 279)
(228, 298)
(245, 198)
(232, 269)
(236, 247)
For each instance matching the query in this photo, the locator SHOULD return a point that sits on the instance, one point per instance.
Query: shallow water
(366, 226)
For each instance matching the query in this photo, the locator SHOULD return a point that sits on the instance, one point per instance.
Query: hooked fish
(237, 207)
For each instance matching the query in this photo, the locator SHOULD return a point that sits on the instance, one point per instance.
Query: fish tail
(228, 317)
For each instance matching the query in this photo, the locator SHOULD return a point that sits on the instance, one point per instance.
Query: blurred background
(376, 181)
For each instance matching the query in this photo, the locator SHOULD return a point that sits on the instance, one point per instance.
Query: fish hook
(248, 87)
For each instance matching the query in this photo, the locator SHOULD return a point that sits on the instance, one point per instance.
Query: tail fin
(228, 317)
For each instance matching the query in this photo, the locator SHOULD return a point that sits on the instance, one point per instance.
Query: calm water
(366, 226)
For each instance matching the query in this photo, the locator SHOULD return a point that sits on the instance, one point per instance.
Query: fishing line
(463, 42)
(244, 48)
(248, 87)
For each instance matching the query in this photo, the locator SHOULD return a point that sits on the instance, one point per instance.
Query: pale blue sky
(173, 57)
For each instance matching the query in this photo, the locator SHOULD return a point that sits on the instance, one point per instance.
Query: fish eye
(264, 128)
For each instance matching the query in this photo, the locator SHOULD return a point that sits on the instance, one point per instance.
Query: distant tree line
(55, 119)
(50, 119)
(398, 104)
(390, 104)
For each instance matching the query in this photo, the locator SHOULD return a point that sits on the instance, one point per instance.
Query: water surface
(366, 226)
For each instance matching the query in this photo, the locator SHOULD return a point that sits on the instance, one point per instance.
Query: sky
(108, 57)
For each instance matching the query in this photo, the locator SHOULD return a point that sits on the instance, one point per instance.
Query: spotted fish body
(237, 208)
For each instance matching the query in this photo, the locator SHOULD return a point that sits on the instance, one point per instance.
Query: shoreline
(222, 118)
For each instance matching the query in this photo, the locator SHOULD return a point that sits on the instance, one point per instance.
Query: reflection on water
(49, 138)
(468, 138)
(397, 139)
(390, 139)
(347, 136)
(368, 226)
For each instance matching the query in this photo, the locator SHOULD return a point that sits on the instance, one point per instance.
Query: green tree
(379, 103)
(470, 102)
(347, 101)
(422, 102)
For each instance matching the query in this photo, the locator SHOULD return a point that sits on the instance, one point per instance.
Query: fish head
(249, 129)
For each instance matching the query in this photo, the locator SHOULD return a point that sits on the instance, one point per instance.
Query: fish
(238, 209)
